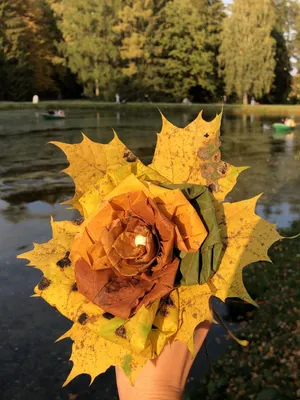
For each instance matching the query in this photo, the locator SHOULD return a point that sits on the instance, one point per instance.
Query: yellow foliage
(57, 285)
(93, 355)
(102, 187)
(246, 238)
(191, 155)
(58, 288)
(100, 172)
(90, 161)
(194, 308)
(167, 322)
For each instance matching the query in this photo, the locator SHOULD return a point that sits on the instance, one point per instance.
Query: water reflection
(14, 213)
(30, 167)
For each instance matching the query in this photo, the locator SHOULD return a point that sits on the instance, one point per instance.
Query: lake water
(31, 189)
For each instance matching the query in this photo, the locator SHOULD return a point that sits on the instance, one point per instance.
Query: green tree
(288, 24)
(212, 14)
(248, 48)
(27, 50)
(134, 26)
(133, 21)
(282, 81)
(39, 38)
(296, 88)
(296, 40)
(179, 58)
(16, 72)
(89, 45)
(282, 34)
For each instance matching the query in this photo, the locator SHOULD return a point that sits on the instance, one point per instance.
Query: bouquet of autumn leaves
(154, 244)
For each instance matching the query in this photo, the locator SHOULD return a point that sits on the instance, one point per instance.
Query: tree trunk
(96, 88)
(245, 98)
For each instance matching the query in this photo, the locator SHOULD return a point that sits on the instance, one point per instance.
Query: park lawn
(278, 109)
(266, 369)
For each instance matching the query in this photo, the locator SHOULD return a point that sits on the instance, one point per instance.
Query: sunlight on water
(30, 167)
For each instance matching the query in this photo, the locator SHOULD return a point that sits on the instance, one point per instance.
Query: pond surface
(31, 189)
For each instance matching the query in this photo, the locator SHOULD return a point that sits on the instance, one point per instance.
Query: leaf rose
(124, 256)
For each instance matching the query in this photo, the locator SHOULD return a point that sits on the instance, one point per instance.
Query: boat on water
(278, 126)
(54, 114)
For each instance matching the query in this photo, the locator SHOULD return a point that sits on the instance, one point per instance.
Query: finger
(170, 369)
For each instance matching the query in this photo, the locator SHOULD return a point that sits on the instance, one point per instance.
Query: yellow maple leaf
(90, 161)
(246, 239)
(194, 308)
(92, 355)
(192, 155)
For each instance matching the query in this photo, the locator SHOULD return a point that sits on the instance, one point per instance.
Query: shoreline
(276, 109)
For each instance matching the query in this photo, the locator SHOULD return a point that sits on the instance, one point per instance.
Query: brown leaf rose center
(126, 255)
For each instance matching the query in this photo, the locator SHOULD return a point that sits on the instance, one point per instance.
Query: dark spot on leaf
(169, 301)
(154, 327)
(74, 287)
(82, 318)
(129, 156)
(121, 331)
(108, 315)
(164, 310)
(212, 187)
(65, 261)
(44, 283)
(206, 135)
(195, 315)
(165, 303)
(217, 157)
(78, 221)
(223, 168)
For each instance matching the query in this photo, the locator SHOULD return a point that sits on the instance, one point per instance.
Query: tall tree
(296, 40)
(16, 72)
(89, 41)
(288, 23)
(248, 48)
(296, 88)
(133, 21)
(282, 34)
(27, 36)
(281, 85)
(212, 14)
(179, 58)
(39, 38)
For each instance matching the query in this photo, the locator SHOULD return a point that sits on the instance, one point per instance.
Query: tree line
(159, 49)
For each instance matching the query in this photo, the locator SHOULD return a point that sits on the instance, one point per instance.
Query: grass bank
(267, 368)
(277, 109)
